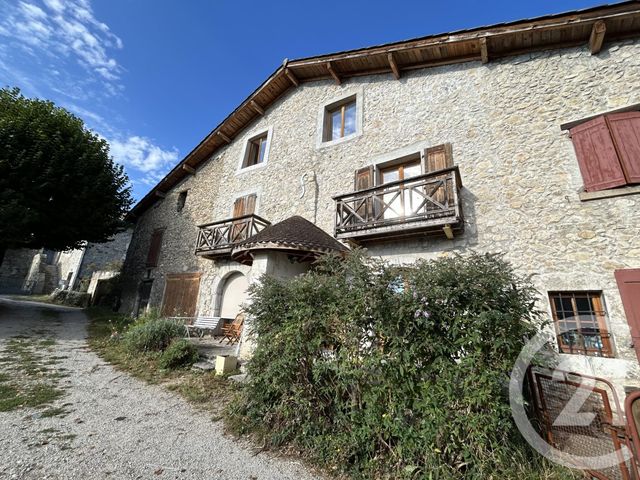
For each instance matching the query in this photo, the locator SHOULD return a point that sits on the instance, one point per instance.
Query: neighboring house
(42, 271)
(522, 138)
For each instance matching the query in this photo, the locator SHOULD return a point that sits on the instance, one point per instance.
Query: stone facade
(519, 172)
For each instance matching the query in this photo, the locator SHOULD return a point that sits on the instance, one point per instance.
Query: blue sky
(153, 77)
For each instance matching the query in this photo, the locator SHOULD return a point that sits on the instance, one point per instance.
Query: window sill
(613, 192)
(338, 141)
(251, 168)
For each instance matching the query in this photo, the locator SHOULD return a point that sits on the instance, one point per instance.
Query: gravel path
(117, 427)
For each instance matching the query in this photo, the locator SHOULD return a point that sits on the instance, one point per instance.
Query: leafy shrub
(179, 354)
(70, 298)
(152, 335)
(382, 371)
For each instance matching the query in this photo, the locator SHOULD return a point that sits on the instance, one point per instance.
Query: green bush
(70, 298)
(152, 335)
(382, 371)
(180, 354)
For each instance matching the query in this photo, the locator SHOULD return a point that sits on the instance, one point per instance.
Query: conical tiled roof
(295, 235)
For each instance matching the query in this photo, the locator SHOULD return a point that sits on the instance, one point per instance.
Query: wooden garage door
(181, 295)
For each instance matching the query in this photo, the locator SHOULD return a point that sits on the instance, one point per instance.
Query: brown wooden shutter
(438, 157)
(363, 178)
(154, 248)
(629, 286)
(597, 155)
(238, 207)
(250, 204)
(625, 130)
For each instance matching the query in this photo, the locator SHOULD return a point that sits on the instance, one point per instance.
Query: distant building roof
(295, 235)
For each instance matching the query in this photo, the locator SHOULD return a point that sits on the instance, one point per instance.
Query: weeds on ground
(27, 377)
(107, 336)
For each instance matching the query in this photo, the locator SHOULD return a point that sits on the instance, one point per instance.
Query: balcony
(218, 238)
(423, 205)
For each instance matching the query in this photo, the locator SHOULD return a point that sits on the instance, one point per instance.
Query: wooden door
(629, 286)
(181, 295)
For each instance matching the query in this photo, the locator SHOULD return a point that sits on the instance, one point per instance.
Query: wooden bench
(199, 325)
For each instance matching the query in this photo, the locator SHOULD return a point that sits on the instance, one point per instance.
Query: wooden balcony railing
(425, 204)
(218, 238)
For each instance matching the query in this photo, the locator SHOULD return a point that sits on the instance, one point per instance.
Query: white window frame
(358, 93)
(245, 149)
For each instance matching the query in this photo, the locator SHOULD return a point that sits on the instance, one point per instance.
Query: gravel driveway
(116, 426)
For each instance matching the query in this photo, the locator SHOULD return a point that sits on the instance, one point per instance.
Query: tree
(58, 185)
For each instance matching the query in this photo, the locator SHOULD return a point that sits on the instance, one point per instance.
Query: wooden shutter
(363, 178)
(250, 204)
(181, 295)
(597, 155)
(625, 130)
(154, 248)
(243, 206)
(437, 158)
(629, 286)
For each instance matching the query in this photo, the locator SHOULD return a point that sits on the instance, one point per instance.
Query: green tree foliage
(386, 372)
(58, 185)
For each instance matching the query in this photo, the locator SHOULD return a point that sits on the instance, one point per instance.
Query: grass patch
(204, 389)
(27, 378)
(54, 412)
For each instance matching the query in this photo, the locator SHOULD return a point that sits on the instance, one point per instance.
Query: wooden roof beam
(484, 50)
(256, 107)
(333, 73)
(160, 194)
(597, 36)
(292, 78)
(188, 169)
(223, 136)
(394, 66)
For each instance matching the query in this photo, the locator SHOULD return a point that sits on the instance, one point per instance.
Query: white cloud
(65, 28)
(141, 154)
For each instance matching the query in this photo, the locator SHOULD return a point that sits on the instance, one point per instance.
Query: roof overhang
(590, 27)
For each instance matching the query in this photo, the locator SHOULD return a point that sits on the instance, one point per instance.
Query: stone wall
(519, 171)
(108, 256)
(14, 269)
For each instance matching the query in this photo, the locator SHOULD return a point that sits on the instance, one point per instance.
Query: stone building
(521, 138)
(41, 271)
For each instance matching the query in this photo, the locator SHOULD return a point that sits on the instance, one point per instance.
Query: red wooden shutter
(597, 155)
(629, 286)
(625, 130)
(363, 178)
(154, 248)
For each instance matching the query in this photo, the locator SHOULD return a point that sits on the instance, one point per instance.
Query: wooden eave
(481, 44)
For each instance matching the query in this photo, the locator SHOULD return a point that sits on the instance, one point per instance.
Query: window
(182, 199)
(608, 150)
(579, 319)
(340, 120)
(256, 150)
(154, 247)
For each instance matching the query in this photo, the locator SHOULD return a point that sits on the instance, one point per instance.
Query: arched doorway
(234, 294)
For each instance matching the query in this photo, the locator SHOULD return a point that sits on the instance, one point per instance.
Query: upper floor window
(340, 120)
(579, 319)
(154, 247)
(256, 150)
(182, 199)
(608, 150)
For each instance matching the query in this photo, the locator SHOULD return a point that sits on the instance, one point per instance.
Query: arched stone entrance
(233, 293)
